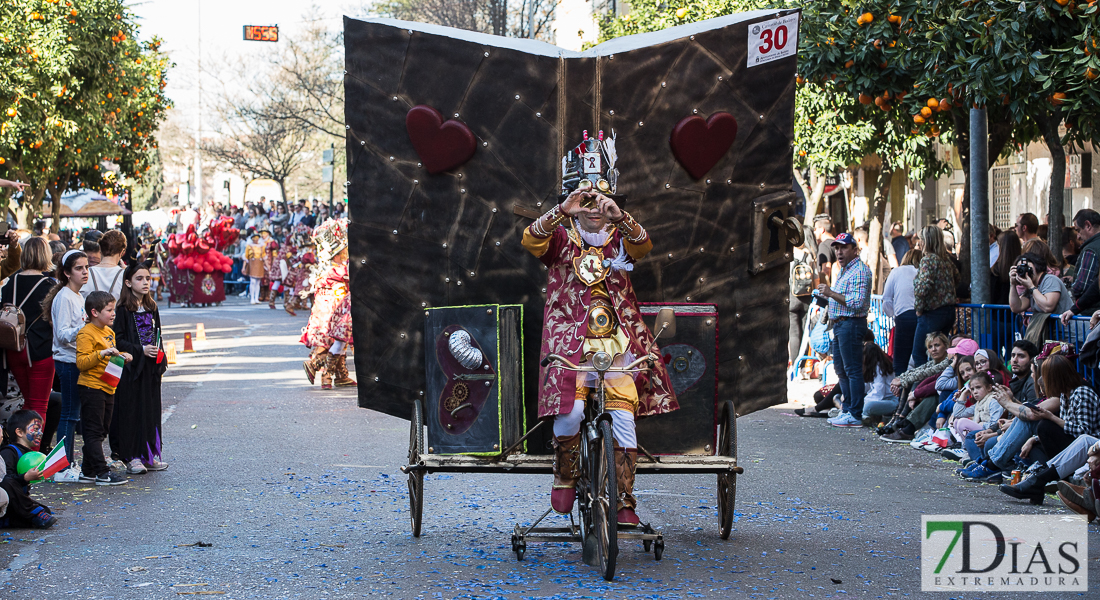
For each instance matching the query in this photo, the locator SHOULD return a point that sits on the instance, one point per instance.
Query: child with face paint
(22, 434)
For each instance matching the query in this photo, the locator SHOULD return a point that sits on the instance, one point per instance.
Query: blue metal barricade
(995, 327)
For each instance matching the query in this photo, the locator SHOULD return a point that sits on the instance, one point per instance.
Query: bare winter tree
(257, 139)
(498, 17)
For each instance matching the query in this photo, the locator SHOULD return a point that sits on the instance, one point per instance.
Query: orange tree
(1030, 64)
(833, 130)
(76, 90)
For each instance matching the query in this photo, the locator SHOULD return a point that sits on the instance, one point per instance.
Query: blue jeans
(976, 452)
(847, 351)
(879, 408)
(70, 406)
(905, 325)
(940, 319)
(1010, 442)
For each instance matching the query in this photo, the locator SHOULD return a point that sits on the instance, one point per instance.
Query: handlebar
(566, 364)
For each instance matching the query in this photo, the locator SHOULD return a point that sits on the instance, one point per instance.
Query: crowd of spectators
(1032, 425)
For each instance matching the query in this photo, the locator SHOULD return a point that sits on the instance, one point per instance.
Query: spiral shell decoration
(462, 348)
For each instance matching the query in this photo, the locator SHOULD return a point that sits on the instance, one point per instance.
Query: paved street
(279, 490)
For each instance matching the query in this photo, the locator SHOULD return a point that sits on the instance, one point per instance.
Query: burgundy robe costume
(565, 326)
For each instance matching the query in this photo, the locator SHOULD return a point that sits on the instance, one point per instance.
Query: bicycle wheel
(604, 501)
(416, 478)
(727, 482)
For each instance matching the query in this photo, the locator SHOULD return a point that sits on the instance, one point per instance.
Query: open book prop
(455, 141)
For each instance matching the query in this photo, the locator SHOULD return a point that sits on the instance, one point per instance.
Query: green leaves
(83, 91)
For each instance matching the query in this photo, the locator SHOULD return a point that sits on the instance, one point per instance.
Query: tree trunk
(55, 205)
(282, 188)
(813, 190)
(1048, 125)
(874, 232)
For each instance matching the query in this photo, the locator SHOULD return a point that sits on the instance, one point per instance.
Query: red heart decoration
(441, 145)
(699, 144)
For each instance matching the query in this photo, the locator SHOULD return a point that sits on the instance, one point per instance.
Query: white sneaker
(135, 467)
(70, 475)
(839, 417)
(834, 413)
(156, 465)
(116, 465)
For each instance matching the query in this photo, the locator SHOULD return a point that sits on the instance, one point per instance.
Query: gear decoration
(459, 393)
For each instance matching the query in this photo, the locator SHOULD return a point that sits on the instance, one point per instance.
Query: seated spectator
(1022, 383)
(961, 372)
(826, 403)
(1064, 465)
(988, 361)
(1033, 289)
(1067, 396)
(922, 405)
(1084, 500)
(878, 370)
(985, 411)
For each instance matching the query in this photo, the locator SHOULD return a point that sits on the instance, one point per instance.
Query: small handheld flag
(56, 461)
(160, 351)
(113, 372)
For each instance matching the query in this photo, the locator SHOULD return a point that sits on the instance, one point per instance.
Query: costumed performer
(254, 259)
(328, 333)
(589, 246)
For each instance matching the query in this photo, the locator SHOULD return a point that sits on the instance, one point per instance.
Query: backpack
(13, 324)
(802, 275)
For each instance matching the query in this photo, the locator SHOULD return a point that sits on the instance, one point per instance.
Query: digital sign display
(261, 33)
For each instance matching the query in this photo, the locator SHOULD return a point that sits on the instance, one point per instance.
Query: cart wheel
(416, 478)
(727, 482)
(519, 547)
(658, 549)
(647, 544)
(605, 501)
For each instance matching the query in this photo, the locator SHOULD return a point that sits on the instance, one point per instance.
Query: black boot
(1033, 488)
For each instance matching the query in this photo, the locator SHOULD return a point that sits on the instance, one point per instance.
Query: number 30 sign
(773, 40)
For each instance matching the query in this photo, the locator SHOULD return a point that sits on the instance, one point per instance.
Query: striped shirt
(854, 284)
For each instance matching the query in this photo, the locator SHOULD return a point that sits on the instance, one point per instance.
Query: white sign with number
(773, 40)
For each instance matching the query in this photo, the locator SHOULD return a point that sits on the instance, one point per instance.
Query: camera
(820, 300)
(1023, 269)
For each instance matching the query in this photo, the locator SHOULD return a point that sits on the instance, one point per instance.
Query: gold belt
(601, 318)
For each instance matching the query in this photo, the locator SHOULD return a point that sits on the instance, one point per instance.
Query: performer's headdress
(331, 237)
(591, 165)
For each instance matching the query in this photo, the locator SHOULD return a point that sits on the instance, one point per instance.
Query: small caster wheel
(521, 548)
(647, 544)
(658, 549)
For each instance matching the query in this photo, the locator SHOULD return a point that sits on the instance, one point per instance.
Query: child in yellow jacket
(99, 375)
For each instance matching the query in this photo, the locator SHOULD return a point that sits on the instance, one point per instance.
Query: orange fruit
(869, 18)
(926, 112)
(945, 104)
(865, 99)
(681, 13)
(918, 119)
(877, 44)
(849, 64)
(1057, 98)
(11, 112)
(1062, 2)
(1090, 74)
(885, 106)
(879, 101)
(933, 103)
